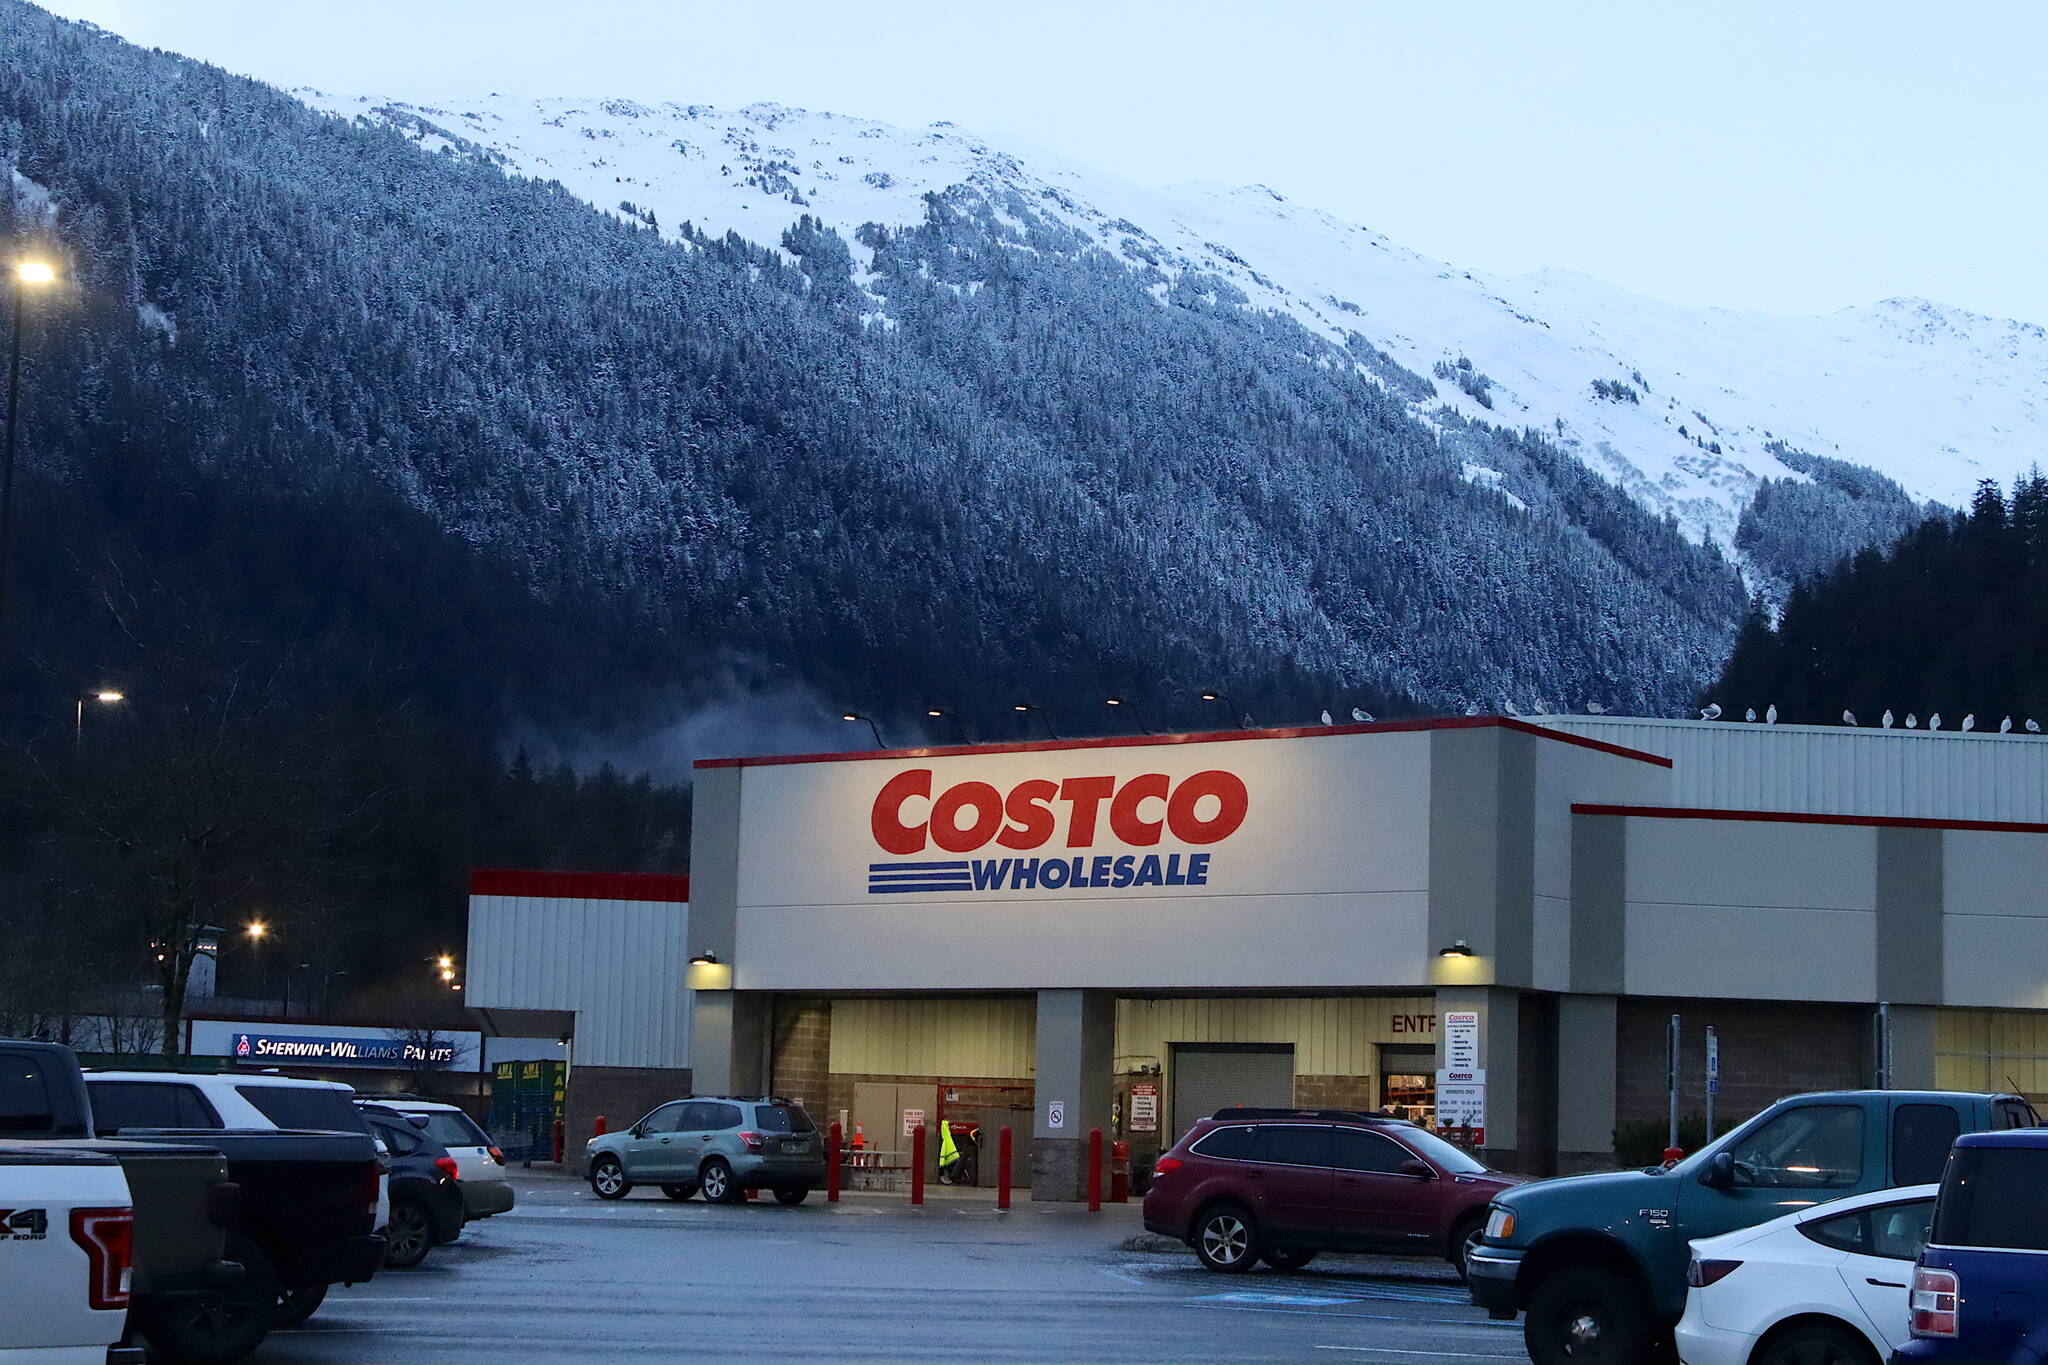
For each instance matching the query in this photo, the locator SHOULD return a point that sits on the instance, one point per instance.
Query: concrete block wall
(621, 1093)
(1769, 1049)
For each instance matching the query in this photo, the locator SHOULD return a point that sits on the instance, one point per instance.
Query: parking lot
(566, 1277)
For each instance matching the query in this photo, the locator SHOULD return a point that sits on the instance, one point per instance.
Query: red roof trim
(591, 886)
(1807, 818)
(1208, 737)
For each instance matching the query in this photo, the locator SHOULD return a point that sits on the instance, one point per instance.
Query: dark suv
(1980, 1294)
(1280, 1185)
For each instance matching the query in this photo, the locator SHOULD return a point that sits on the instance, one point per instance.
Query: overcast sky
(1792, 157)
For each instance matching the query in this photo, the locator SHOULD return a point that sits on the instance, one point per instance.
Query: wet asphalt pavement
(567, 1277)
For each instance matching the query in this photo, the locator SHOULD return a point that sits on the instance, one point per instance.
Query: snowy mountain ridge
(1687, 409)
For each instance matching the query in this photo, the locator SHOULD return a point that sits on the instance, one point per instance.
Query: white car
(480, 1166)
(1825, 1284)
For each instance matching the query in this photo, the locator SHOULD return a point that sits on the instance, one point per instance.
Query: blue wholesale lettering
(1102, 871)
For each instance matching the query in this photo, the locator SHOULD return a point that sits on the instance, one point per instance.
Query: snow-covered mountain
(1688, 409)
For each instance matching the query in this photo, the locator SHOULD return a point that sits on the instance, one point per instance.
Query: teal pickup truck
(1597, 1262)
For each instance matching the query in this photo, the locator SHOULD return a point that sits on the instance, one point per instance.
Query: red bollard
(1095, 1170)
(597, 1129)
(1003, 1167)
(558, 1142)
(917, 1164)
(832, 1164)
(1119, 1172)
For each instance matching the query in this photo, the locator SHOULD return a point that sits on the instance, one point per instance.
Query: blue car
(1980, 1292)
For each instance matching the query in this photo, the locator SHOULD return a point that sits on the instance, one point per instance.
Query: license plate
(795, 1144)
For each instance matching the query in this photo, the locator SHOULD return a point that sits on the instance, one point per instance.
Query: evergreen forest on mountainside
(1951, 621)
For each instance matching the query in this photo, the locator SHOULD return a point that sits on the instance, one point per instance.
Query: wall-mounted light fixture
(1458, 949)
(704, 960)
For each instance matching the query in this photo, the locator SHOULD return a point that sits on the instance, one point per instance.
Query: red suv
(1280, 1185)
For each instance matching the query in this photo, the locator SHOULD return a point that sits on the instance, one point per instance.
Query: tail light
(496, 1155)
(373, 1185)
(1936, 1294)
(1699, 1274)
(753, 1142)
(108, 1237)
(1166, 1165)
(224, 1204)
(449, 1165)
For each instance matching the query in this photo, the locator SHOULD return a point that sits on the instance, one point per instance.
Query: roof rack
(1239, 1111)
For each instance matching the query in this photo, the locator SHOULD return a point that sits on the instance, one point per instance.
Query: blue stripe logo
(898, 878)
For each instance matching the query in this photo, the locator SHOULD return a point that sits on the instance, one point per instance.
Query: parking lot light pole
(26, 275)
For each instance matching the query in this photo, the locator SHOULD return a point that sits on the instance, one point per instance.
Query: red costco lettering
(1142, 811)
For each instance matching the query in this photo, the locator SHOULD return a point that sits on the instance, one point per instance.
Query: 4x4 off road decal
(24, 1225)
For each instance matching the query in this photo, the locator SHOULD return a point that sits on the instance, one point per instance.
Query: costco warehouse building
(1482, 921)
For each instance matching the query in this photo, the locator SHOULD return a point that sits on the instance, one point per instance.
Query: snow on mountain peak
(1681, 406)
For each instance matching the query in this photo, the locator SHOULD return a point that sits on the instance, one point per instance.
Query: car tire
(409, 1236)
(1287, 1258)
(1817, 1343)
(792, 1194)
(680, 1192)
(1465, 1239)
(717, 1183)
(608, 1179)
(222, 1329)
(294, 1306)
(1587, 1314)
(1226, 1239)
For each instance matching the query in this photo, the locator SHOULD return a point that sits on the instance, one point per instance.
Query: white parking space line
(1445, 1355)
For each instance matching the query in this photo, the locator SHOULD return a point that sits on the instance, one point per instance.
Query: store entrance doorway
(1210, 1076)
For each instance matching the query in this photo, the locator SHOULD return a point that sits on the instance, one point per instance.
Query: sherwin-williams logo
(1138, 813)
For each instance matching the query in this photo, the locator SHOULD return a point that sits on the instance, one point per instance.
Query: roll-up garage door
(1210, 1076)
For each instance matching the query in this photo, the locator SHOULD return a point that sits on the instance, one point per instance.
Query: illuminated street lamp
(1027, 709)
(27, 275)
(105, 697)
(1123, 704)
(1229, 704)
(876, 729)
(255, 929)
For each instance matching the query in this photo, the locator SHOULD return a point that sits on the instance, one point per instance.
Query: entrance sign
(1461, 1040)
(1145, 1106)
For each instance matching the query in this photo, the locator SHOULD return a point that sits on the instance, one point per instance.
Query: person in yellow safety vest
(949, 1151)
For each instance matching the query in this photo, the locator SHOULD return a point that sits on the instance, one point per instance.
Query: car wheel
(717, 1183)
(1226, 1239)
(224, 1328)
(608, 1178)
(1287, 1258)
(1465, 1239)
(680, 1192)
(409, 1236)
(792, 1194)
(294, 1306)
(1587, 1314)
(1817, 1344)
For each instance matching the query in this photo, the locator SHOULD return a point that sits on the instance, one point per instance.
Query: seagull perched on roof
(1771, 714)
(1934, 721)
(1327, 720)
(1595, 708)
(1848, 718)
(1749, 714)
(1887, 721)
(2005, 726)
(1713, 711)
(1473, 709)
(1969, 722)
(2033, 727)
(1912, 721)
(1362, 716)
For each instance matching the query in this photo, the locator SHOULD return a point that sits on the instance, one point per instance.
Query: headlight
(1500, 1224)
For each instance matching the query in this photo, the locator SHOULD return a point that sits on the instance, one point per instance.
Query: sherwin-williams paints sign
(270, 1047)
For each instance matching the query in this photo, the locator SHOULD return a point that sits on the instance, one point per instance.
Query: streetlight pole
(26, 273)
(106, 696)
(876, 729)
(1121, 702)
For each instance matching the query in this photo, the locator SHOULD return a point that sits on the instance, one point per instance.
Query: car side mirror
(1720, 1171)
(1420, 1169)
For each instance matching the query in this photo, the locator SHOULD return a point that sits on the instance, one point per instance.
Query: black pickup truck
(227, 1224)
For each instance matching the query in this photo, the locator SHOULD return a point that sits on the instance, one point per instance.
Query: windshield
(305, 1106)
(1456, 1160)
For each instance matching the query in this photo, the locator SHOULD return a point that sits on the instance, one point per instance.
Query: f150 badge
(1656, 1218)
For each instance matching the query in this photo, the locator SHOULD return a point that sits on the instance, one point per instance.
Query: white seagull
(1771, 714)
(1749, 714)
(1713, 711)
(1327, 720)
(1887, 721)
(2033, 727)
(1912, 721)
(1848, 718)
(1969, 722)
(2005, 726)
(1363, 717)
(1934, 721)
